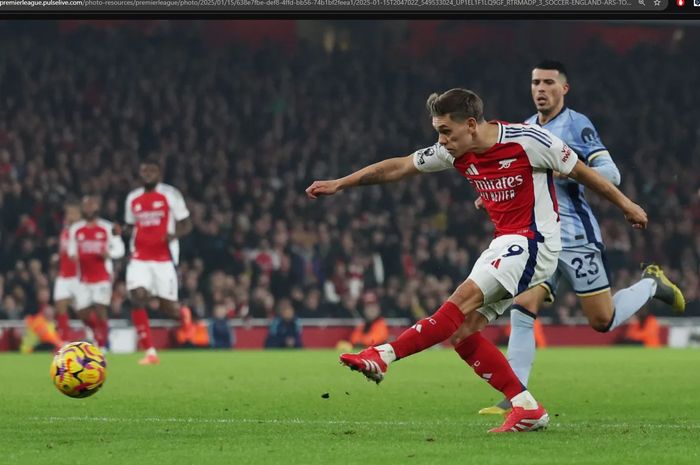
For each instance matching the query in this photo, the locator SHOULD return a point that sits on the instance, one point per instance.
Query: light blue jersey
(578, 224)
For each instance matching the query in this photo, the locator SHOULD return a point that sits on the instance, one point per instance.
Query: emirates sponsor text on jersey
(499, 189)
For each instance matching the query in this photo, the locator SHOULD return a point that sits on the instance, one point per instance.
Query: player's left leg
(521, 343)
(100, 298)
(588, 273)
(100, 326)
(489, 363)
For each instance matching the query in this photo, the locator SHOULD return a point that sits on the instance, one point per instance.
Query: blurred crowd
(242, 132)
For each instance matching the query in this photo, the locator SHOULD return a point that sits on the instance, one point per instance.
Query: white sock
(151, 352)
(627, 301)
(524, 400)
(386, 352)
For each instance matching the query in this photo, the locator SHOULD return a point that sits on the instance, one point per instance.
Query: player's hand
(170, 237)
(317, 188)
(479, 203)
(636, 216)
(116, 229)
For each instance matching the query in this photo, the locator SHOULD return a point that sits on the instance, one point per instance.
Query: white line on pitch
(299, 421)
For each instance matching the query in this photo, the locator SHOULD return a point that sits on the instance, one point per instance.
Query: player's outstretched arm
(594, 181)
(389, 170)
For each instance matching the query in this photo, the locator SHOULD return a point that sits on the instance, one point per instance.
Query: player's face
(548, 89)
(456, 137)
(72, 214)
(150, 174)
(90, 206)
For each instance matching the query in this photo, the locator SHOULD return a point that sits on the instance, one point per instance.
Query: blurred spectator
(219, 331)
(373, 329)
(75, 120)
(285, 328)
(643, 330)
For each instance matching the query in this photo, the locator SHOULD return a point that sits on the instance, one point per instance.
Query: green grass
(619, 405)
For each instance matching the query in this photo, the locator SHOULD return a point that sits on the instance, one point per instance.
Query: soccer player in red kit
(511, 166)
(159, 217)
(94, 242)
(65, 287)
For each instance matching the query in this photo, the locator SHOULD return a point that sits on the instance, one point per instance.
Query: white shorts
(158, 278)
(511, 265)
(90, 294)
(65, 288)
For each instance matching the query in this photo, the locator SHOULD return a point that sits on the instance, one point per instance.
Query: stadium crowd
(242, 131)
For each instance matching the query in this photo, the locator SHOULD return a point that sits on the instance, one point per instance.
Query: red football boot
(368, 362)
(150, 359)
(520, 420)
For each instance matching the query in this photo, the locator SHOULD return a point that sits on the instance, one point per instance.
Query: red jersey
(513, 178)
(67, 267)
(89, 242)
(153, 215)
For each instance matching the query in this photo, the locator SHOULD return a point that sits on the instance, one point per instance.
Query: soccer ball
(79, 369)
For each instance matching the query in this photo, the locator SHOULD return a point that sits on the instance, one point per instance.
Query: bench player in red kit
(65, 288)
(159, 217)
(94, 242)
(511, 166)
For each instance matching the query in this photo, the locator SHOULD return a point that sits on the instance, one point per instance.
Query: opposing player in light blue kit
(582, 259)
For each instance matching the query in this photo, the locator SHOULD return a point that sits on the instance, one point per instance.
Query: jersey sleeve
(128, 212)
(432, 159)
(72, 248)
(585, 139)
(606, 167)
(115, 244)
(550, 152)
(178, 205)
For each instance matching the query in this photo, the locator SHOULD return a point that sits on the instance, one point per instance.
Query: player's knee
(468, 297)
(473, 323)
(461, 334)
(600, 323)
(139, 297)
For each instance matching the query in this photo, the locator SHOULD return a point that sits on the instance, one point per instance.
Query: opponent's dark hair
(553, 65)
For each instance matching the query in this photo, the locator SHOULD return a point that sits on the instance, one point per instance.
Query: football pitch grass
(607, 406)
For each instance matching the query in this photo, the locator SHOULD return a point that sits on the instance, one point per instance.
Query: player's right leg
(139, 281)
(62, 318)
(374, 361)
(64, 294)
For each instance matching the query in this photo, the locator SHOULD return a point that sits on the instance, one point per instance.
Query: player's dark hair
(459, 104)
(553, 65)
(94, 195)
(71, 201)
(151, 160)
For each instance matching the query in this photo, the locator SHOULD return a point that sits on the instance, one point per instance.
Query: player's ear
(566, 87)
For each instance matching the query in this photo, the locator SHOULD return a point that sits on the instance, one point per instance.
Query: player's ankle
(151, 352)
(386, 353)
(524, 400)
